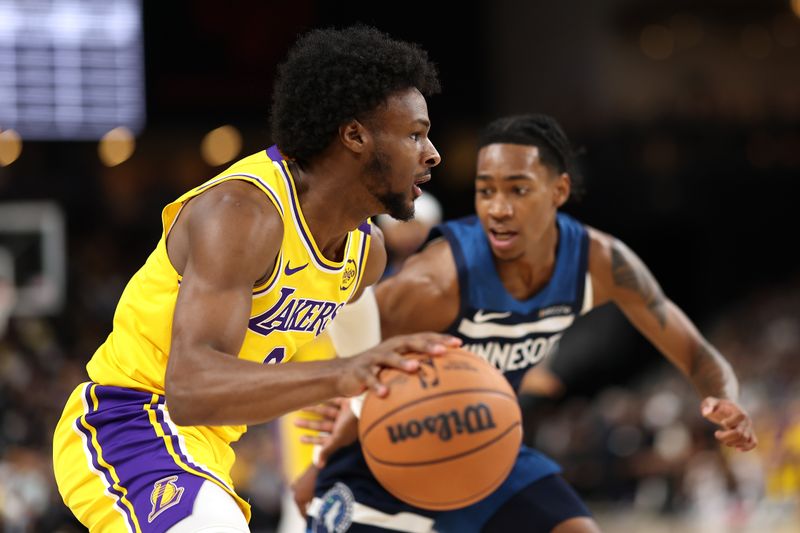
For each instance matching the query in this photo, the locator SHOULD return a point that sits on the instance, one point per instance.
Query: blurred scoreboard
(71, 69)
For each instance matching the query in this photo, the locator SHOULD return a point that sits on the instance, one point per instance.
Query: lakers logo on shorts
(165, 494)
(336, 512)
(349, 275)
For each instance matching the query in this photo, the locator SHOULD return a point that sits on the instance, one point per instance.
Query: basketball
(445, 436)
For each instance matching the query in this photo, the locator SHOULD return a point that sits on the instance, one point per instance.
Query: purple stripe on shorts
(176, 445)
(162, 493)
(107, 479)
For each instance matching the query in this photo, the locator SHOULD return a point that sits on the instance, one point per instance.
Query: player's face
(516, 197)
(403, 155)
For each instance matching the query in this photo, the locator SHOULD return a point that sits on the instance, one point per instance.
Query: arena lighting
(71, 69)
(657, 41)
(10, 147)
(116, 146)
(796, 7)
(221, 145)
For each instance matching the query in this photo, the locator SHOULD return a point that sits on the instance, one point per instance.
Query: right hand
(361, 372)
(332, 433)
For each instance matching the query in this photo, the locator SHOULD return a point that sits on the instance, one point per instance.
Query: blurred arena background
(689, 116)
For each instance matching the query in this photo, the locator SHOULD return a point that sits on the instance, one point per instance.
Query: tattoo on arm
(636, 277)
(711, 374)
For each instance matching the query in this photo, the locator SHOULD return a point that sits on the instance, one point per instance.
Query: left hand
(736, 428)
(319, 419)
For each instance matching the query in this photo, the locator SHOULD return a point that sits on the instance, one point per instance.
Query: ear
(354, 136)
(561, 190)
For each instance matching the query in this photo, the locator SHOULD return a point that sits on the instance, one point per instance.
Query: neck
(320, 190)
(528, 274)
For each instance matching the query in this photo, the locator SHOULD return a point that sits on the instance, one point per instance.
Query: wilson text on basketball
(473, 419)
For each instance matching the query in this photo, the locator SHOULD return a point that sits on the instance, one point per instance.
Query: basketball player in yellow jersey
(251, 265)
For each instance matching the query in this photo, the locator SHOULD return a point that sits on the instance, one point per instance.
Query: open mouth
(419, 181)
(502, 238)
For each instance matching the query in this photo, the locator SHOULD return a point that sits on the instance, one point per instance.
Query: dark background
(686, 113)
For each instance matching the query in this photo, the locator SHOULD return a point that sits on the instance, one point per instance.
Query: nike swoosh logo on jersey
(289, 270)
(481, 317)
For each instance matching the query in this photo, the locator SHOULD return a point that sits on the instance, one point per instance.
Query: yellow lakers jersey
(298, 300)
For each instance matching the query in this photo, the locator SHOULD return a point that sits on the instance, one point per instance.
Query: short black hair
(542, 131)
(331, 76)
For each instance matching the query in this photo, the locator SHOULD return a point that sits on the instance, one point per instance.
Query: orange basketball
(446, 436)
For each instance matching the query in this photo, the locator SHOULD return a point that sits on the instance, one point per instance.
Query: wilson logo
(473, 419)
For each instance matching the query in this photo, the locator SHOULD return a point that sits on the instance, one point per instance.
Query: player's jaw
(401, 205)
(506, 242)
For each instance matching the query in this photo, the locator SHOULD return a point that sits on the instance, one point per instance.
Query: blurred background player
(509, 282)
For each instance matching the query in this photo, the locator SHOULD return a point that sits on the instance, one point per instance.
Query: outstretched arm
(619, 275)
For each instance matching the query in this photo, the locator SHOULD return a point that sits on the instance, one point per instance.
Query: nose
(432, 157)
(500, 208)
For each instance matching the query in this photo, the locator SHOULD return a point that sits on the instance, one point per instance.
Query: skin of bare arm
(620, 276)
(423, 295)
(206, 384)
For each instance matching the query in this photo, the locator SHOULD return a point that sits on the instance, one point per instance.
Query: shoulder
(233, 220)
(615, 268)
(233, 197)
(376, 259)
(600, 246)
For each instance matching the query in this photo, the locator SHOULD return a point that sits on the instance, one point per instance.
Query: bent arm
(423, 295)
(620, 276)
(231, 237)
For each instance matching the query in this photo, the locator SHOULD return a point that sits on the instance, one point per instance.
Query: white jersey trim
(486, 330)
(588, 295)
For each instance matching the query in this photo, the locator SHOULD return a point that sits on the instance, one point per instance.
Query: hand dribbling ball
(446, 436)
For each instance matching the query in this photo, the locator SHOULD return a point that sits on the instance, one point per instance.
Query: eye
(483, 191)
(416, 136)
(520, 191)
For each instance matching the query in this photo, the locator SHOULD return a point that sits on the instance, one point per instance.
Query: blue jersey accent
(512, 334)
